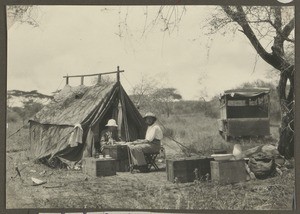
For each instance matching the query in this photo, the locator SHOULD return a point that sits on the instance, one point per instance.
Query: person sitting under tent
(151, 143)
(110, 135)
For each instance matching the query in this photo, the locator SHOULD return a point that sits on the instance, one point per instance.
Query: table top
(115, 145)
(99, 159)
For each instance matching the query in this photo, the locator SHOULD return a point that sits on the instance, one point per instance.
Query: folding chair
(150, 160)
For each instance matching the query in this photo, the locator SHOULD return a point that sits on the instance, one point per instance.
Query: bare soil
(73, 189)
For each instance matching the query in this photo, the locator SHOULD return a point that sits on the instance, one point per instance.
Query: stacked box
(120, 154)
(99, 167)
(183, 170)
(228, 172)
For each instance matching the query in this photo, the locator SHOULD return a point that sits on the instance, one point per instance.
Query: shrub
(168, 132)
(182, 133)
(13, 117)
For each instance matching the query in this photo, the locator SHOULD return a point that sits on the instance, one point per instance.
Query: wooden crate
(118, 152)
(183, 170)
(228, 172)
(99, 167)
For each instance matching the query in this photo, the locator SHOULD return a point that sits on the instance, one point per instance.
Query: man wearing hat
(109, 135)
(151, 143)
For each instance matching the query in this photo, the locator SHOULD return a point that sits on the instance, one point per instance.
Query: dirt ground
(73, 189)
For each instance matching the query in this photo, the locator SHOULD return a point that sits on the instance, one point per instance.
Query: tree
(275, 24)
(164, 97)
(263, 26)
(142, 93)
(149, 95)
(30, 109)
(22, 14)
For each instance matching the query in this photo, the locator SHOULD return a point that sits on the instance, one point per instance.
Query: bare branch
(240, 18)
(288, 28)
(21, 14)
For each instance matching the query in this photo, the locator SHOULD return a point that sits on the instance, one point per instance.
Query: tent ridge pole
(118, 73)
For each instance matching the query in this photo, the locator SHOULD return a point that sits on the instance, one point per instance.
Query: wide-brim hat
(150, 114)
(111, 122)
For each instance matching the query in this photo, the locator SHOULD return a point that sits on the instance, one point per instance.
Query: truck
(244, 112)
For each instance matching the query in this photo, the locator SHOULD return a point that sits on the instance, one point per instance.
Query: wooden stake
(82, 80)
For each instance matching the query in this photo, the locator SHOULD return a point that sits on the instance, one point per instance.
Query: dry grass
(200, 133)
(143, 190)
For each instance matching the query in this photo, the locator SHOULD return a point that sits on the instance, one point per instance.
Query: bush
(168, 132)
(13, 117)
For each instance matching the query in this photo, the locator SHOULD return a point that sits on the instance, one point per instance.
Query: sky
(93, 39)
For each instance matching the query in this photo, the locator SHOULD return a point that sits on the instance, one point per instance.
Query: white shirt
(154, 132)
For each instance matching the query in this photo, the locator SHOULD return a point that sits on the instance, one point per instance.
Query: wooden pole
(82, 80)
(99, 76)
(118, 74)
(89, 75)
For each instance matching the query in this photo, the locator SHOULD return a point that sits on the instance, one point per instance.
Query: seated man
(151, 143)
(110, 135)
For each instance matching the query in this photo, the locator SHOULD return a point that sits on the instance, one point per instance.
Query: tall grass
(196, 131)
(200, 133)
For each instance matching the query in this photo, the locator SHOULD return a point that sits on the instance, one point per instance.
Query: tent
(69, 127)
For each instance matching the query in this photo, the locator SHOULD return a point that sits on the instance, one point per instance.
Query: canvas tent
(69, 127)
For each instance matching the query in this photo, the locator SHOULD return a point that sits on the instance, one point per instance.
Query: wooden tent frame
(118, 71)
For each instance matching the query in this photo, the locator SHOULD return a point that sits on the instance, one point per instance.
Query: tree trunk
(286, 131)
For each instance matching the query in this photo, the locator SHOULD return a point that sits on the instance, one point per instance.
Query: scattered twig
(57, 186)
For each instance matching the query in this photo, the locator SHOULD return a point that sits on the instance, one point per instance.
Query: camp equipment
(188, 169)
(244, 112)
(221, 157)
(237, 152)
(228, 172)
(99, 167)
(262, 167)
(120, 154)
(151, 160)
(89, 106)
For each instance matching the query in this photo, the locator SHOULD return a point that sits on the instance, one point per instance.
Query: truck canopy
(237, 94)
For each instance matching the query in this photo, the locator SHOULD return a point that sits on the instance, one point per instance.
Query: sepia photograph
(171, 108)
